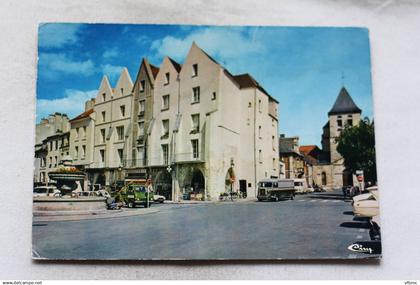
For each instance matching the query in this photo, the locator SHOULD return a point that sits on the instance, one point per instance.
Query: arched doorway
(163, 184)
(229, 180)
(197, 182)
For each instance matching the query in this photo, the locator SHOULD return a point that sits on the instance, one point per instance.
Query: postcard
(183, 142)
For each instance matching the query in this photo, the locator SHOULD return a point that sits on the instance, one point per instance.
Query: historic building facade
(329, 171)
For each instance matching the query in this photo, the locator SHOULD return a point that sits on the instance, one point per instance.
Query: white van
(299, 188)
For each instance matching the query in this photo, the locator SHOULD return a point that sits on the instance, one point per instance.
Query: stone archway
(162, 184)
(198, 181)
(229, 180)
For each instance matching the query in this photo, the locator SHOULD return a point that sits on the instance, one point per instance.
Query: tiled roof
(175, 64)
(82, 115)
(154, 69)
(247, 81)
(306, 149)
(344, 104)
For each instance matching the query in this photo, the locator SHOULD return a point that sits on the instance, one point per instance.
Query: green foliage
(356, 145)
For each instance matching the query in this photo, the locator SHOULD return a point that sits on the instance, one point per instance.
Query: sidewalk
(242, 200)
(107, 215)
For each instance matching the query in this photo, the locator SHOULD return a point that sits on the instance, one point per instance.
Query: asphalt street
(313, 226)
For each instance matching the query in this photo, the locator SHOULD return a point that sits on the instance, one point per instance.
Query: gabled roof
(155, 70)
(344, 104)
(83, 115)
(307, 149)
(176, 65)
(151, 71)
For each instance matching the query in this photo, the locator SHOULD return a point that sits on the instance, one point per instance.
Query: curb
(119, 214)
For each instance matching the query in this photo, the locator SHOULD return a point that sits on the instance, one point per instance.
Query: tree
(356, 145)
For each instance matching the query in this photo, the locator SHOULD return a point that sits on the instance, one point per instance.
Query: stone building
(211, 131)
(329, 171)
(51, 139)
(296, 165)
(82, 129)
(112, 131)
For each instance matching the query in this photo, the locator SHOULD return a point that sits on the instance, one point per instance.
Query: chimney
(89, 104)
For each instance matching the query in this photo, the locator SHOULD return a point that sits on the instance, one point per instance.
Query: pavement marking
(324, 201)
(313, 200)
(336, 201)
(359, 237)
(301, 200)
(362, 230)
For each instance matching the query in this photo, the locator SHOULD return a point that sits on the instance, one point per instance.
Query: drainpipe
(255, 142)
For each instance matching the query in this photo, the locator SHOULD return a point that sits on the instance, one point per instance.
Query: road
(313, 226)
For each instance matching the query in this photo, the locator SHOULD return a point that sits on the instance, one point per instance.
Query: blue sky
(301, 67)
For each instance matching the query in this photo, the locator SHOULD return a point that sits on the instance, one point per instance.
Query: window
(122, 91)
(56, 145)
(165, 154)
(76, 152)
(259, 131)
(120, 133)
(103, 97)
(165, 102)
(339, 123)
(103, 135)
(167, 78)
(196, 95)
(141, 128)
(274, 164)
(102, 155)
(213, 96)
(141, 107)
(195, 119)
(120, 154)
(122, 110)
(83, 151)
(350, 122)
(103, 116)
(249, 104)
(142, 85)
(194, 144)
(55, 161)
(140, 155)
(77, 133)
(273, 141)
(259, 105)
(260, 156)
(194, 70)
(165, 129)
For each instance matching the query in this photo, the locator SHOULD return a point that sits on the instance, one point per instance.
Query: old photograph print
(175, 142)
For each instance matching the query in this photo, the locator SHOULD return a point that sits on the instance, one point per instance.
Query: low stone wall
(80, 205)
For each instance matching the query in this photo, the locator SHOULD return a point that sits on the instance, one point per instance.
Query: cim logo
(366, 247)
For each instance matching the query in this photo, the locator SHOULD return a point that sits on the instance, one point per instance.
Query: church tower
(343, 113)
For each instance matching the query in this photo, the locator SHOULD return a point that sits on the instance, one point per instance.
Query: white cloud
(223, 42)
(72, 103)
(54, 35)
(51, 64)
(112, 71)
(109, 53)
(142, 40)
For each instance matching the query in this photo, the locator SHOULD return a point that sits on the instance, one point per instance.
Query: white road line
(313, 200)
(300, 200)
(324, 201)
(362, 230)
(359, 237)
(336, 201)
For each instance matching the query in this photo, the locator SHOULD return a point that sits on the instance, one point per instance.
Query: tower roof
(344, 104)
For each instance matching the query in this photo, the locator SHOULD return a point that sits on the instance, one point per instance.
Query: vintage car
(275, 189)
(137, 193)
(366, 205)
(158, 198)
(44, 191)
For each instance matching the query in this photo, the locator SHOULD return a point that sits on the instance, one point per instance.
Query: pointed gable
(104, 92)
(344, 104)
(150, 70)
(124, 85)
(168, 66)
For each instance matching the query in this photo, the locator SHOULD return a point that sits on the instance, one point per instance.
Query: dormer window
(122, 110)
(194, 70)
(122, 91)
(167, 78)
(103, 97)
(142, 85)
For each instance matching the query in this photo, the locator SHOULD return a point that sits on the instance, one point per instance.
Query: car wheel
(130, 205)
(161, 201)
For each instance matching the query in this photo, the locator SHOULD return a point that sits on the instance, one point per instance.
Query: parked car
(158, 198)
(137, 193)
(366, 205)
(103, 193)
(44, 191)
(310, 189)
